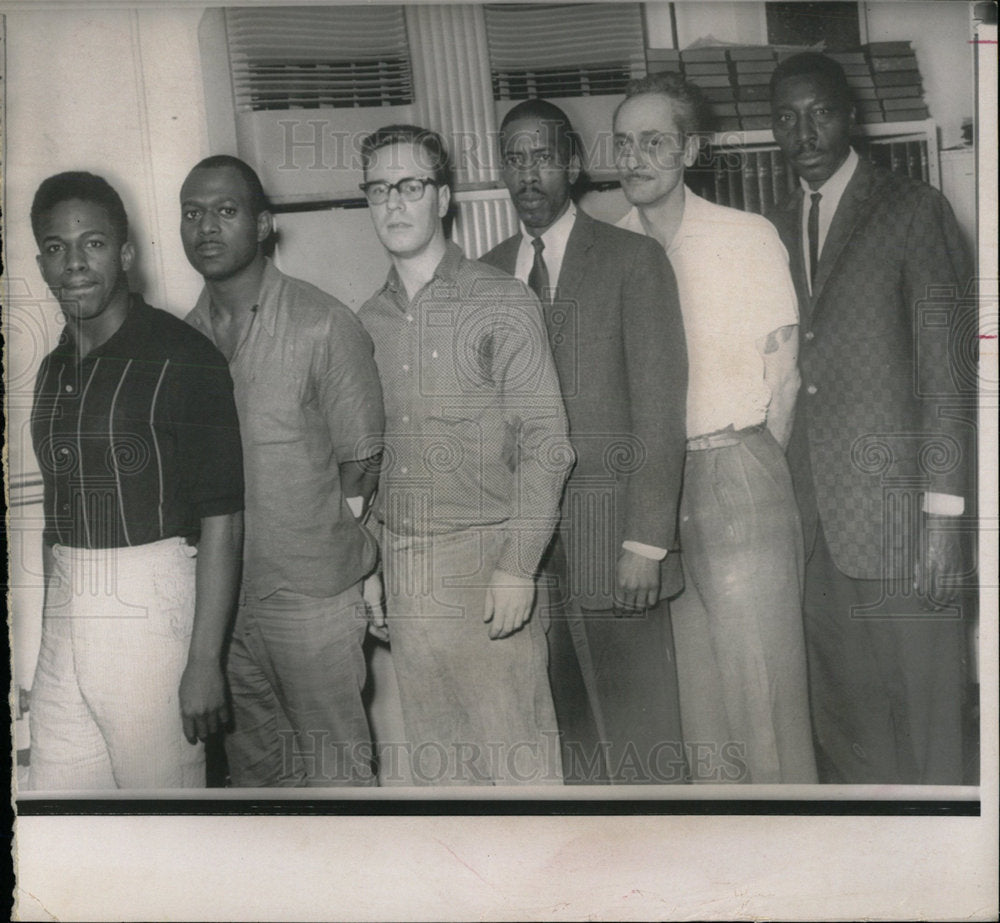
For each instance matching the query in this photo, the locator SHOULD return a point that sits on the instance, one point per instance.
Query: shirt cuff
(943, 504)
(646, 551)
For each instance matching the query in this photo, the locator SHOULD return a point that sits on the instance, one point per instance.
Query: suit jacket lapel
(575, 259)
(792, 219)
(506, 254)
(574, 268)
(850, 213)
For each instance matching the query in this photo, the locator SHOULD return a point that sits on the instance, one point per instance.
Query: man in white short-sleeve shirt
(738, 624)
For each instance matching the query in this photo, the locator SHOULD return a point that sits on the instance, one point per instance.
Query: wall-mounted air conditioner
(307, 84)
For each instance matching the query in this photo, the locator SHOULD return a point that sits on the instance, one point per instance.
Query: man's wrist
(652, 552)
(204, 663)
(501, 573)
(936, 504)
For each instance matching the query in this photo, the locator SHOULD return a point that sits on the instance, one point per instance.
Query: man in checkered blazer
(882, 447)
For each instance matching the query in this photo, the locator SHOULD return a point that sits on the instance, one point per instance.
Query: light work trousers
(296, 672)
(105, 712)
(476, 711)
(738, 627)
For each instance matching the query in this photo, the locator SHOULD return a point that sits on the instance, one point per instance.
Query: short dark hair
(430, 141)
(258, 198)
(692, 111)
(814, 64)
(83, 186)
(549, 113)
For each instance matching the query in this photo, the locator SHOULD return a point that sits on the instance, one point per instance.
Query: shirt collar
(132, 328)
(556, 234)
(268, 301)
(833, 188)
(446, 270)
(695, 209)
(269, 298)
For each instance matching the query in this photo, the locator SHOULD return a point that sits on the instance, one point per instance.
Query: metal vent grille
(564, 50)
(312, 57)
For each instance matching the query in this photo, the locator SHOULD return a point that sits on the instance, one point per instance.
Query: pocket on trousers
(734, 506)
(171, 606)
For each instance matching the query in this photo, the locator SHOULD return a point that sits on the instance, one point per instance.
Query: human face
(407, 229)
(84, 263)
(538, 171)
(650, 151)
(220, 234)
(812, 126)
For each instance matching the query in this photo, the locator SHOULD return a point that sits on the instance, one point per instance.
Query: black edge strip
(415, 808)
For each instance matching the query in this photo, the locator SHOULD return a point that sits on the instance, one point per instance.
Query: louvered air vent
(317, 57)
(564, 50)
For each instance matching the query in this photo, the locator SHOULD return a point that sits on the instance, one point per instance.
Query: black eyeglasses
(410, 189)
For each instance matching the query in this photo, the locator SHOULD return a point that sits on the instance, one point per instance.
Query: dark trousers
(886, 678)
(614, 685)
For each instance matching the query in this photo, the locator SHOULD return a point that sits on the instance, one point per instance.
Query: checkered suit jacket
(888, 368)
(617, 337)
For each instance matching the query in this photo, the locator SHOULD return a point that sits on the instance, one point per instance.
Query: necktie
(538, 278)
(812, 229)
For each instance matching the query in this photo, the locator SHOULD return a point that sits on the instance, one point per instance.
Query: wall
(941, 35)
(939, 32)
(117, 92)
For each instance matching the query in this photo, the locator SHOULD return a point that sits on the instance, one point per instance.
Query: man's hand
(508, 603)
(372, 592)
(940, 563)
(203, 699)
(637, 586)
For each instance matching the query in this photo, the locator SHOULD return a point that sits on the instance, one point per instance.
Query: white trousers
(104, 708)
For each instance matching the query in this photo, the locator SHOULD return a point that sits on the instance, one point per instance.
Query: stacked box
(896, 80)
(883, 76)
(885, 81)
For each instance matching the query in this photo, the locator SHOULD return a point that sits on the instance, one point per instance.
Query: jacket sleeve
(657, 375)
(938, 291)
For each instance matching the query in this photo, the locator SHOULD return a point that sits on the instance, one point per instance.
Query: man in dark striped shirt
(135, 430)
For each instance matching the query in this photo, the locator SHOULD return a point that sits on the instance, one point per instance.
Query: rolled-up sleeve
(351, 393)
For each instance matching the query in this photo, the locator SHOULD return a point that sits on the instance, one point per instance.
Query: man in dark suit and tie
(614, 324)
(881, 451)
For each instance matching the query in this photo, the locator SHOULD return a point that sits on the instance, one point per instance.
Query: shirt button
(406, 419)
(406, 368)
(810, 335)
(64, 451)
(65, 507)
(434, 354)
(409, 318)
(68, 389)
(811, 389)
(404, 470)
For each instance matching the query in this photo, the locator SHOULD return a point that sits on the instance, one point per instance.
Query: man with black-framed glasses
(475, 458)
